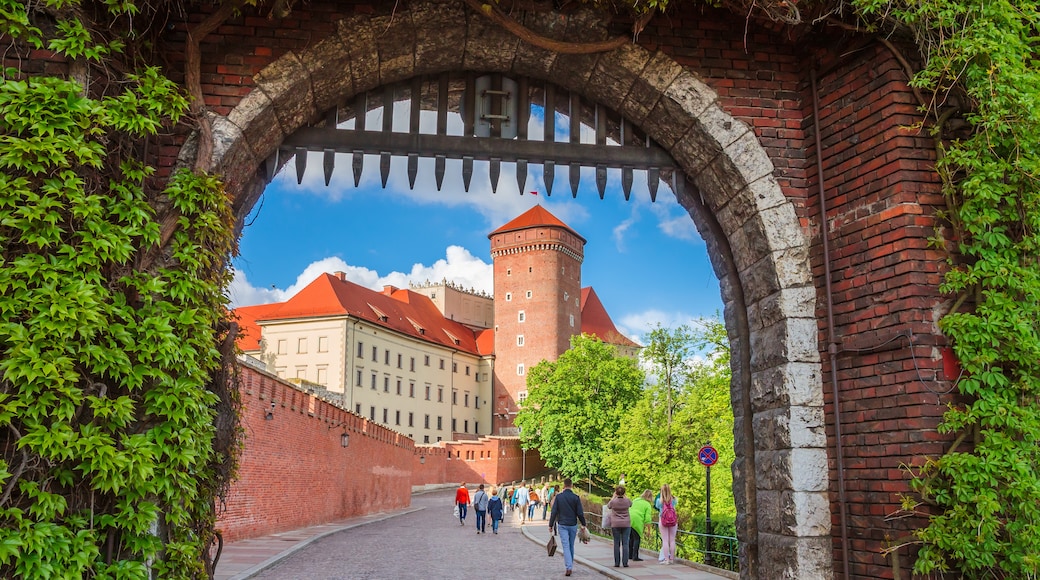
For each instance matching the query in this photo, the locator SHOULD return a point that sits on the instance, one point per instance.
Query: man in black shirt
(567, 512)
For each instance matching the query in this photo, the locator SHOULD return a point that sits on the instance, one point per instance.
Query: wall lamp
(422, 459)
(270, 414)
(344, 439)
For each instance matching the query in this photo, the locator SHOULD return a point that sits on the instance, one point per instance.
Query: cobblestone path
(427, 544)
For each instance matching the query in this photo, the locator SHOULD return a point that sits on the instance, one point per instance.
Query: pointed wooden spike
(521, 175)
(678, 183)
(413, 169)
(467, 172)
(626, 181)
(328, 162)
(301, 164)
(601, 179)
(384, 167)
(438, 170)
(549, 175)
(494, 170)
(357, 164)
(653, 179)
(575, 178)
(271, 165)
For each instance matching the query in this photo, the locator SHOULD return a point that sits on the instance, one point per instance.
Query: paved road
(426, 544)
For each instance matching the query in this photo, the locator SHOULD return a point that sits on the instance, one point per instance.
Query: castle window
(440, 423)
(358, 380)
(411, 419)
(398, 389)
(385, 415)
(520, 316)
(528, 293)
(323, 344)
(520, 369)
(572, 321)
(397, 417)
(454, 424)
(283, 346)
(357, 408)
(426, 422)
(426, 360)
(372, 413)
(466, 400)
(440, 394)
(386, 384)
(465, 426)
(509, 271)
(509, 296)
(375, 353)
(565, 296)
(428, 390)
(411, 390)
(521, 396)
(519, 340)
(454, 398)
(373, 381)
(400, 357)
(360, 349)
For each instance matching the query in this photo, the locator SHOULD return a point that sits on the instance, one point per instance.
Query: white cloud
(458, 266)
(638, 324)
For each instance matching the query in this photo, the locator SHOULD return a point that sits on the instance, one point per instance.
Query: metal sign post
(708, 456)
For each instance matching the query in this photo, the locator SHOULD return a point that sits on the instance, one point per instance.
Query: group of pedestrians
(628, 518)
(484, 506)
(628, 521)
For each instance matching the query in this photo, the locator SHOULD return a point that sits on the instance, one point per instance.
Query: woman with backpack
(495, 510)
(668, 524)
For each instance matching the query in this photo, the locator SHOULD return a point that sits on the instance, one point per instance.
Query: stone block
(438, 37)
(328, 65)
(791, 340)
(784, 557)
(488, 47)
(287, 84)
(694, 151)
(799, 302)
(793, 267)
(359, 40)
(793, 383)
(659, 72)
(805, 514)
(758, 279)
(395, 44)
(255, 117)
(794, 427)
(573, 71)
(748, 156)
(613, 76)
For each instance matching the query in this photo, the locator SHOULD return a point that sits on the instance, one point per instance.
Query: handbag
(605, 518)
(583, 535)
(551, 546)
(456, 510)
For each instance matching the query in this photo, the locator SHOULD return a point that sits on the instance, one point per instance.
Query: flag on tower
(534, 193)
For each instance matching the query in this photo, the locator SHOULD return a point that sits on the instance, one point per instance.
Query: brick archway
(758, 246)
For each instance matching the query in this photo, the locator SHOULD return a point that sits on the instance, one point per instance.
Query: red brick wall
(488, 460)
(294, 471)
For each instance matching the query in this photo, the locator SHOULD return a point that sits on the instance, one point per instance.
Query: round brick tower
(537, 268)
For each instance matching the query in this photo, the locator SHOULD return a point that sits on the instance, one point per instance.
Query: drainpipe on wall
(348, 384)
(832, 341)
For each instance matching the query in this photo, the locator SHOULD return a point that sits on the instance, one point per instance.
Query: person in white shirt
(523, 497)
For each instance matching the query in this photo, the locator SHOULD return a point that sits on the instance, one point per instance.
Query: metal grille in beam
(489, 118)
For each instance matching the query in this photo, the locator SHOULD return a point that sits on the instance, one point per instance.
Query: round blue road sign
(708, 456)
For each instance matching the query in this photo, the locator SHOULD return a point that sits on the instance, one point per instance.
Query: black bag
(551, 546)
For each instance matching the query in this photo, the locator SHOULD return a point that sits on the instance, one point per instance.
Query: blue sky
(645, 260)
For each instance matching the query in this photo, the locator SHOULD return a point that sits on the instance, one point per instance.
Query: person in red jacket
(462, 500)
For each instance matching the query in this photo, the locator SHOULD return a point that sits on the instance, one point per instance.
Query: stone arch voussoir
(767, 277)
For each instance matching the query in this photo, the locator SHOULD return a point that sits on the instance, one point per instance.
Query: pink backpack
(668, 516)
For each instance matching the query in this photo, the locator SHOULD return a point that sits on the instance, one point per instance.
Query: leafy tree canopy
(575, 404)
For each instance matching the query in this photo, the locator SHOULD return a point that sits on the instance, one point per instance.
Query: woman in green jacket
(641, 515)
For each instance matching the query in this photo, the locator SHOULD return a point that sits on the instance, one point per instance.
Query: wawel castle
(437, 362)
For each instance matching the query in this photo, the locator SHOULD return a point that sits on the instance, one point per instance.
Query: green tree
(574, 404)
(687, 407)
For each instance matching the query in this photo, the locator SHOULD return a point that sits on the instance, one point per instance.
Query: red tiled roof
(596, 321)
(405, 311)
(248, 330)
(486, 341)
(535, 217)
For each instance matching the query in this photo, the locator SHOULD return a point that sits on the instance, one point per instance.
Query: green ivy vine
(983, 496)
(114, 386)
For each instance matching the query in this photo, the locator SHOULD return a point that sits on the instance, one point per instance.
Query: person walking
(462, 500)
(620, 525)
(480, 505)
(495, 509)
(534, 500)
(566, 513)
(641, 514)
(550, 493)
(522, 497)
(668, 524)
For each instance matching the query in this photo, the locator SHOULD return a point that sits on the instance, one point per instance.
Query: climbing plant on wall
(116, 419)
(981, 64)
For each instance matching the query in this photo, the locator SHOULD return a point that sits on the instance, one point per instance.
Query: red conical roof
(535, 217)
